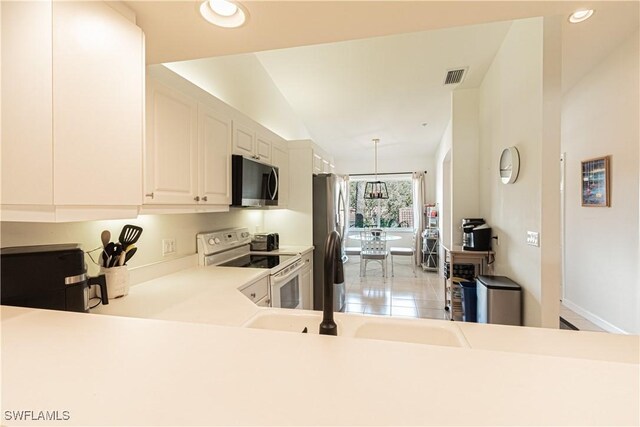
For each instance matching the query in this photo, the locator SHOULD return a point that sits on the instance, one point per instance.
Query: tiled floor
(578, 321)
(402, 295)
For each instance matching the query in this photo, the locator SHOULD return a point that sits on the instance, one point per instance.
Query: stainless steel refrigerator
(329, 213)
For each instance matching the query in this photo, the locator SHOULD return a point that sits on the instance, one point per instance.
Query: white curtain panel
(419, 189)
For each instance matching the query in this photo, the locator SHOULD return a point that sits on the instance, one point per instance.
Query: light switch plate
(533, 238)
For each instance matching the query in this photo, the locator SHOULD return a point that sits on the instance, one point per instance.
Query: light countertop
(198, 294)
(113, 370)
(172, 353)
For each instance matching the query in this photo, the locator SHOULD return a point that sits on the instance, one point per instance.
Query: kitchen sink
(412, 333)
(417, 331)
(293, 322)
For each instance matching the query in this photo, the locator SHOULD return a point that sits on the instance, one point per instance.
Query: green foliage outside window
(394, 212)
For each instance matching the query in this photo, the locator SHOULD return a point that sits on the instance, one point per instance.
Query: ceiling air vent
(455, 76)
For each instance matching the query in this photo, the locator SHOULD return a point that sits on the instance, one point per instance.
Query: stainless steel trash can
(499, 300)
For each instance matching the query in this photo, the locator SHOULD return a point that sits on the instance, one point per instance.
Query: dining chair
(403, 251)
(373, 247)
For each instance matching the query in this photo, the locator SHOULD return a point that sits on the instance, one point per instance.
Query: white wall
(465, 186)
(443, 187)
(600, 117)
(242, 82)
(182, 227)
(511, 112)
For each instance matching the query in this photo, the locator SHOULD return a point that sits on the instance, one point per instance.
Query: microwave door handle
(275, 175)
(269, 186)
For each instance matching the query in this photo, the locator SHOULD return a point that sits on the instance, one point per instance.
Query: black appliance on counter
(476, 235)
(253, 183)
(47, 276)
(265, 242)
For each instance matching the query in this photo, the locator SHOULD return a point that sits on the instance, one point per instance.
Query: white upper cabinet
(98, 115)
(188, 150)
(249, 143)
(263, 148)
(243, 140)
(171, 174)
(322, 163)
(27, 111)
(214, 148)
(280, 159)
(72, 98)
(318, 167)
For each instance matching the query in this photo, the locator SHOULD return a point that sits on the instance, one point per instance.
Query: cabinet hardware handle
(149, 195)
(197, 198)
(204, 198)
(253, 295)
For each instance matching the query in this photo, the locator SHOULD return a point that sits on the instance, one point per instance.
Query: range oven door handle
(279, 280)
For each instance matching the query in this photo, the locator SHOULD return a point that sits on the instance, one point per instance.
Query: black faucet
(333, 273)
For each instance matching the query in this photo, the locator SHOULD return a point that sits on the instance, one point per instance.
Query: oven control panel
(213, 242)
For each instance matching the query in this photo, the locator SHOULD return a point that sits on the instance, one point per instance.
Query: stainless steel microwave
(253, 183)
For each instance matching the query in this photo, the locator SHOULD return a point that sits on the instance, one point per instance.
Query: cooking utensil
(107, 253)
(129, 235)
(115, 257)
(105, 236)
(131, 250)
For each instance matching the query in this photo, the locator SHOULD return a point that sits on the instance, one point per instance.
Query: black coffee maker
(48, 276)
(476, 235)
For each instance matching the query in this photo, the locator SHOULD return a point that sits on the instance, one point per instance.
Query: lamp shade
(376, 190)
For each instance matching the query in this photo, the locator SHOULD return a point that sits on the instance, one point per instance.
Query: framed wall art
(596, 182)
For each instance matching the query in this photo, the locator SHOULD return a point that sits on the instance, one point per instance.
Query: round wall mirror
(509, 165)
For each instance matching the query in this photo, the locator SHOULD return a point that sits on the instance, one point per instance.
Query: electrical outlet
(168, 246)
(533, 238)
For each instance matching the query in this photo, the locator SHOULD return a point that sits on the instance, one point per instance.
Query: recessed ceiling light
(223, 7)
(223, 13)
(580, 15)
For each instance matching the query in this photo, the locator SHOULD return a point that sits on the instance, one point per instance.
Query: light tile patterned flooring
(402, 295)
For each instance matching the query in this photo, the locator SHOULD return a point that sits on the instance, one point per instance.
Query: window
(394, 212)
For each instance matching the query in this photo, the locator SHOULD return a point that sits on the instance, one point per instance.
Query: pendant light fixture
(376, 189)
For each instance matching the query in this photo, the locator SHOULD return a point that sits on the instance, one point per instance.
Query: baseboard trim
(593, 318)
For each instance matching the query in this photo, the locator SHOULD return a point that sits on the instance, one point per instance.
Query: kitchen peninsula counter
(112, 370)
(172, 352)
(197, 294)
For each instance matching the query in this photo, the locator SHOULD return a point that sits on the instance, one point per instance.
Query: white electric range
(231, 248)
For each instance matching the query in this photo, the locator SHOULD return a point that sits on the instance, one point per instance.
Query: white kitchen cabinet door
(263, 148)
(280, 159)
(98, 83)
(317, 164)
(27, 155)
(325, 166)
(214, 156)
(171, 167)
(243, 140)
